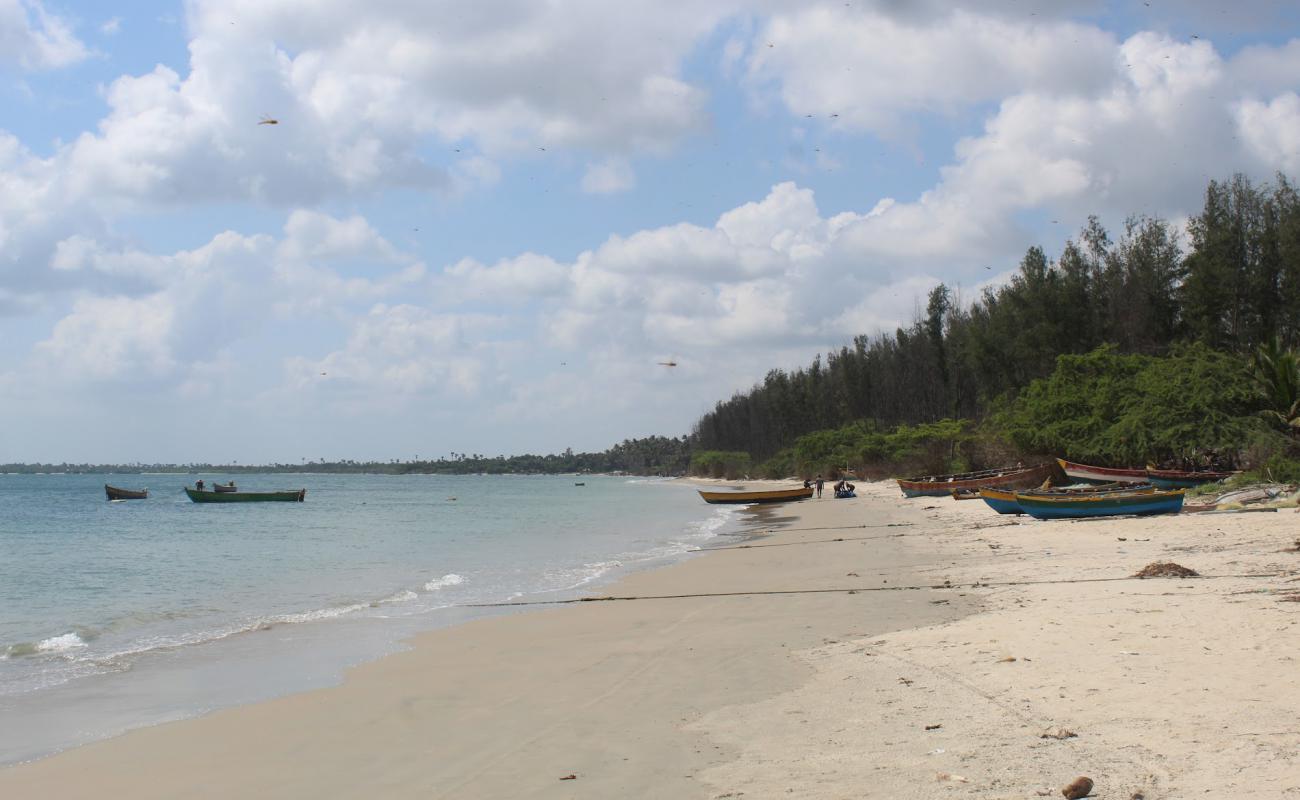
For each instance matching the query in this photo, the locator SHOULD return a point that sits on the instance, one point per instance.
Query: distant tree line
(1234, 290)
(653, 455)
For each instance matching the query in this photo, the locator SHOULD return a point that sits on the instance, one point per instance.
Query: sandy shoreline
(794, 686)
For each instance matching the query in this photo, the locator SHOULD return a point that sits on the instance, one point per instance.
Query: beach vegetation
(721, 464)
(1123, 349)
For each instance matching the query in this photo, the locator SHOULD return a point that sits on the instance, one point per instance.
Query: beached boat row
(1028, 490)
(1161, 478)
(1017, 477)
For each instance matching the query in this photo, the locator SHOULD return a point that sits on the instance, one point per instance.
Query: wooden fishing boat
(1100, 488)
(770, 496)
(1002, 501)
(115, 493)
(1083, 472)
(1181, 479)
(1005, 502)
(1018, 477)
(282, 496)
(1101, 504)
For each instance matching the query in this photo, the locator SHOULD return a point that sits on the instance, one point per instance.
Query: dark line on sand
(853, 590)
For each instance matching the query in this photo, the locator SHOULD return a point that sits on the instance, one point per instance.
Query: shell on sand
(1079, 787)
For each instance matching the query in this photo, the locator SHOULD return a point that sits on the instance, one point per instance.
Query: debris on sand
(569, 777)
(945, 776)
(1007, 660)
(1079, 787)
(1165, 569)
(1059, 733)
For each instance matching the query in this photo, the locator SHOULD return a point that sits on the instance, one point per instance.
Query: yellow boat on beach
(770, 496)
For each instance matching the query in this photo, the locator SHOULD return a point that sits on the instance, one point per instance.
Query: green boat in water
(283, 496)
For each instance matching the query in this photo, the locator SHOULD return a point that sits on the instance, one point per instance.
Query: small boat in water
(115, 493)
(769, 496)
(282, 496)
(1018, 477)
(1101, 504)
(1083, 472)
(225, 487)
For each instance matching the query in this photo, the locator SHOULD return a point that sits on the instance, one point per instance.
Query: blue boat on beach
(1105, 504)
(1005, 502)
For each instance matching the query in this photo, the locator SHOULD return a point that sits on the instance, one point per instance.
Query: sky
(280, 230)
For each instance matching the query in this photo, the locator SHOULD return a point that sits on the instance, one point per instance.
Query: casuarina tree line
(1146, 346)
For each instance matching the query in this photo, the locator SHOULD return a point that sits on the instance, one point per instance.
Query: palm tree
(1277, 379)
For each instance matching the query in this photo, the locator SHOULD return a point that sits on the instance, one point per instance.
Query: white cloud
(111, 26)
(1272, 131)
(608, 177)
(35, 39)
(108, 337)
(400, 351)
(873, 69)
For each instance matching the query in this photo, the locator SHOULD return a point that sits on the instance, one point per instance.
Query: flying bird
(268, 120)
(667, 363)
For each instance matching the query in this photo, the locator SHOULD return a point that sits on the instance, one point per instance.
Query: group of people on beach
(842, 489)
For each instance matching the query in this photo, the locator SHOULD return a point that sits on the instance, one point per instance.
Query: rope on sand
(809, 541)
(853, 590)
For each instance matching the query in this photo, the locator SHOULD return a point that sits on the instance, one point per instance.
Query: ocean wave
(54, 645)
(450, 579)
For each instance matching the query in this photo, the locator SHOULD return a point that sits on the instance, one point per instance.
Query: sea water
(119, 614)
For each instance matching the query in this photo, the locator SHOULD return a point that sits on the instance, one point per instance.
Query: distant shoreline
(408, 468)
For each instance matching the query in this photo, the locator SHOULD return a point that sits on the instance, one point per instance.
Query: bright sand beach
(811, 670)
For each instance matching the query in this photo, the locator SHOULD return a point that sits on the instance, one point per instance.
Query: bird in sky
(268, 120)
(667, 363)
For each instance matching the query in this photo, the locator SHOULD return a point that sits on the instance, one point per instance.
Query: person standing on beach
(819, 485)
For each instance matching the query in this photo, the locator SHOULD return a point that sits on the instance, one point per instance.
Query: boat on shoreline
(281, 496)
(1161, 478)
(114, 493)
(1182, 479)
(1085, 472)
(1101, 504)
(1018, 477)
(1004, 501)
(769, 496)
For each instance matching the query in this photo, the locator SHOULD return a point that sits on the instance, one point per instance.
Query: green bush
(720, 464)
(1118, 410)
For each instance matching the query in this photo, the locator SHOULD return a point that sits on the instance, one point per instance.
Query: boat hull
(115, 493)
(288, 496)
(1084, 472)
(1001, 500)
(773, 496)
(1176, 479)
(1106, 504)
(1008, 478)
(1007, 502)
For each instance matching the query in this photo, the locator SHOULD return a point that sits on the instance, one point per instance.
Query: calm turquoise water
(114, 615)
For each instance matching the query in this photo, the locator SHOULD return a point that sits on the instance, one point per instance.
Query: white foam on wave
(60, 644)
(450, 579)
(583, 575)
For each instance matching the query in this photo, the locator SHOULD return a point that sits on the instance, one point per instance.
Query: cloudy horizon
(274, 230)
